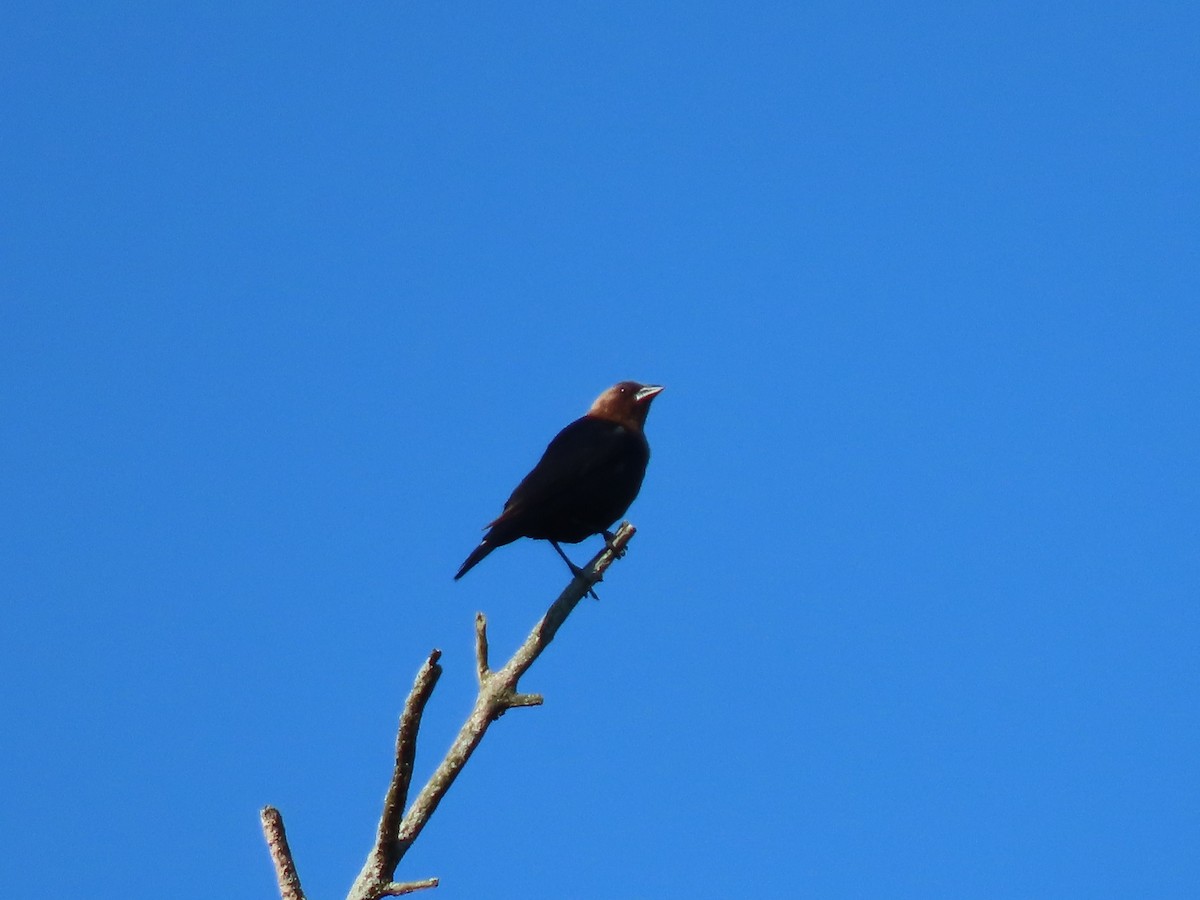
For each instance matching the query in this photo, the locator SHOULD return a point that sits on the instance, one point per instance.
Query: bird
(589, 475)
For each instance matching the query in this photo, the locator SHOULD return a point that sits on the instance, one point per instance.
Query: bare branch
(406, 747)
(498, 691)
(525, 700)
(497, 694)
(481, 648)
(397, 889)
(381, 862)
(281, 854)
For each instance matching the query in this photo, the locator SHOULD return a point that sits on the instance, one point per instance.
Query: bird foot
(575, 570)
(579, 573)
(609, 540)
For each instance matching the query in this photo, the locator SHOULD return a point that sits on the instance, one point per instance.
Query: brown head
(626, 403)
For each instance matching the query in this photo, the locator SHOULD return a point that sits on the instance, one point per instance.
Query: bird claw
(575, 570)
(580, 573)
(610, 543)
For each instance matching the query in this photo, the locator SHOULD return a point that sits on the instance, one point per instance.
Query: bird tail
(485, 547)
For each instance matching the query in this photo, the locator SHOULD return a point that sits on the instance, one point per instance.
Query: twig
(281, 854)
(397, 889)
(381, 863)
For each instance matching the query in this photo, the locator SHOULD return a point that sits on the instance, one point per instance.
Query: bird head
(626, 403)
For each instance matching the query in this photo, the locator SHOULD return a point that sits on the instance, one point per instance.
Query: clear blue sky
(292, 295)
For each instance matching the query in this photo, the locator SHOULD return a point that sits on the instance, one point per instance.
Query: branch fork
(497, 694)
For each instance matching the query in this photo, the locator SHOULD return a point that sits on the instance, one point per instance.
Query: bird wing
(585, 449)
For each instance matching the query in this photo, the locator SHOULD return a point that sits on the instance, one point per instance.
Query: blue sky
(291, 297)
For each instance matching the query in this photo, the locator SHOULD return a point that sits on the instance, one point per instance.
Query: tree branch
(381, 862)
(498, 690)
(396, 889)
(281, 854)
(497, 694)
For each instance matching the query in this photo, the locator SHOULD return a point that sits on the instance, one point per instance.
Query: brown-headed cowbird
(584, 481)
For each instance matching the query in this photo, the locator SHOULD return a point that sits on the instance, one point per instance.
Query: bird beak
(647, 392)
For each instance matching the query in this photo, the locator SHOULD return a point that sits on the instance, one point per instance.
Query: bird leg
(575, 570)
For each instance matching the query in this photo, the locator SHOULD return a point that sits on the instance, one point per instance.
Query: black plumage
(589, 475)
